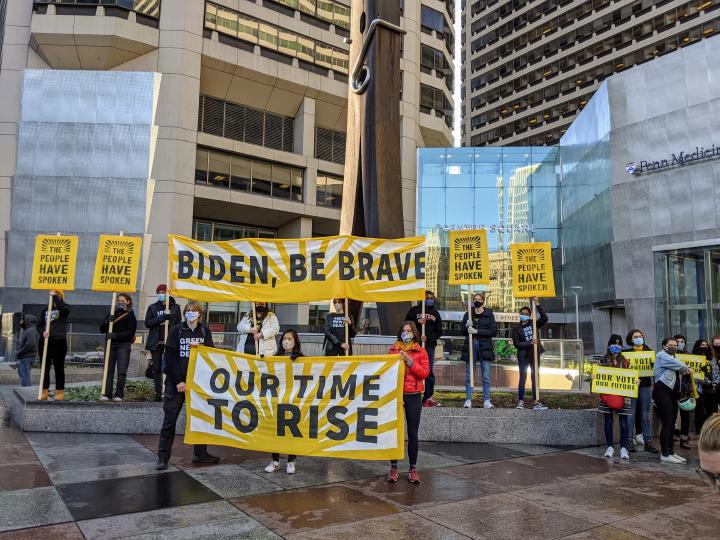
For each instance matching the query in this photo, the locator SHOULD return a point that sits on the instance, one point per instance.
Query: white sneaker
(273, 466)
(539, 407)
(610, 452)
(468, 404)
(639, 440)
(624, 454)
(291, 467)
(104, 398)
(682, 459)
(670, 459)
(520, 405)
(488, 405)
(117, 399)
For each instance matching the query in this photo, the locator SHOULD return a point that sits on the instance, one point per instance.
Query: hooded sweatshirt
(28, 345)
(177, 349)
(58, 319)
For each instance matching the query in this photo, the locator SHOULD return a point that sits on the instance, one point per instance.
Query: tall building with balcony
(248, 134)
(529, 67)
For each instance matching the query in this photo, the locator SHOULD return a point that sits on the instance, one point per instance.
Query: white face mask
(288, 344)
(191, 316)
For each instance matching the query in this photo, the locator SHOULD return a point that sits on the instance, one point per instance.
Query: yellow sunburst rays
(527, 252)
(380, 285)
(128, 246)
(64, 244)
(472, 242)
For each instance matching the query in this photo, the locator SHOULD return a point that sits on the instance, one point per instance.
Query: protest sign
(298, 270)
(54, 262)
(325, 406)
(614, 381)
(641, 361)
(532, 270)
(469, 263)
(695, 361)
(117, 263)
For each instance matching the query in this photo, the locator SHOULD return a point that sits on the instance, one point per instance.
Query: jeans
(485, 369)
(413, 409)
(624, 429)
(157, 356)
(523, 367)
(120, 359)
(430, 381)
(24, 365)
(291, 458)
(57, 349)
(667, 407)
(641, 413)
(172, 405)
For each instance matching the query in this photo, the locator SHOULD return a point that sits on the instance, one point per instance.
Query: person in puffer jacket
(417, 369)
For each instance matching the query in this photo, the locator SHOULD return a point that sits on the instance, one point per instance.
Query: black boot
(650, 448)
(161, 464)
(205, 458)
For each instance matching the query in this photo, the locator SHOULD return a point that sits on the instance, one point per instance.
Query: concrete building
(529, 67)
(247, 137)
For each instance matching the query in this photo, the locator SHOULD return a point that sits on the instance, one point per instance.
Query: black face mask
(261, 309)
(477, 304)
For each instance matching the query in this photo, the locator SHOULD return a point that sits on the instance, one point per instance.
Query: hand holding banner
(697, 362)
(614, 381)
(641, 361)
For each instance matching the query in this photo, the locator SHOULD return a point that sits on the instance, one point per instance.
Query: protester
(56, 344)
(290, 343)
(709, 452)
(635, 341)
(334, 344)
(614, 358)
(664, 394)
(258, 340)
(156, 317)
(524, 341)
(181, 338)
(711, 384)
(121, 339)
(482, 327)
(27, 348)
(684, 434)
(433, 331)
(417, 368)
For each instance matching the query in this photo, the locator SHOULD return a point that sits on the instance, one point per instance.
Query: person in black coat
(433, 332)
(524, 341)
(155, 318)
(56, 344)
(481, 328)
(122, 336)
(334, 343)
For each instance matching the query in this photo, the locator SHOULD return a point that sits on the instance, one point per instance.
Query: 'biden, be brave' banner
(327, 406)
(299, 270)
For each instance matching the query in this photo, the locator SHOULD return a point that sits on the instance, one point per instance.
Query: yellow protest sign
(614, 381)
(117, 263)
(345, 407)
(695, 361)
(641, 361)
(532, 270)
(469, 263)
(54, 263)
(299, 269)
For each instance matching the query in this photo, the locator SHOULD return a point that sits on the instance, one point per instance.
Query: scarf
(404, 347)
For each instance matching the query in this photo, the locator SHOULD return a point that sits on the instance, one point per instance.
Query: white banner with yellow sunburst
(343, 407)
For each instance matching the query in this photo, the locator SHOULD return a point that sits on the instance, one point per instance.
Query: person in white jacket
(260, 340)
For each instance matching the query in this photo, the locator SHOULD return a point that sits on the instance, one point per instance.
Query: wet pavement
(68, 486)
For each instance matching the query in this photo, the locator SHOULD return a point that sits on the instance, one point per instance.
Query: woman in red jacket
(417, 368)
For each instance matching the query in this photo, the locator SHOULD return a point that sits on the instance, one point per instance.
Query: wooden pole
(108, 344)
(45, 348)
(470, 340)
(255, 326)
(535, 350)
(347, 329)
(168, 284)
(422, 341)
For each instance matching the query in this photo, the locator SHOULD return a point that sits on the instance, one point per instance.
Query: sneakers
(488, 405)
(205, 458)
(290, 467)
(104, 398)
(670, 459)
(682, 459)
(650, 448)
(624, 454)
(520, 405)
(161, 465)
(467, 404)
(539, 407)
(413, 476)
(273, 466)
(117, 399)
(429, 402)
(394, 475)
(639, 440)
(610, 452)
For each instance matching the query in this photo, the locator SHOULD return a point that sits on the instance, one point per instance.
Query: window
(215, 231)
(201, 167)
(262, 178)
(329, 190)
(432, 19)
(219, 170)
(330, 145)
(240, 174)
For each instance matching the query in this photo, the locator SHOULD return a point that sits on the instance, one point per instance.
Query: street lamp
(577, 309)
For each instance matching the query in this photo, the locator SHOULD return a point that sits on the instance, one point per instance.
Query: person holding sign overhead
(257, 334)
(635, 341)
(614, 358)
(481, 328)
(334, 343)
(524, 341)
(121, 338)
(432, 321)
(56, 343)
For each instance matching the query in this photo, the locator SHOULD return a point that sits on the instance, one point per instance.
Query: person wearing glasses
(709, 452)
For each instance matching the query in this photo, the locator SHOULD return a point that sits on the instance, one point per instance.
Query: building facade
(248, 135)
(529, 67)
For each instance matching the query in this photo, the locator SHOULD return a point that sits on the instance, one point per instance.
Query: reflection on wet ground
(70, 486)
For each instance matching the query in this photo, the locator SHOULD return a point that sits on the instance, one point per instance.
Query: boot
(59, 395)
(44, 396)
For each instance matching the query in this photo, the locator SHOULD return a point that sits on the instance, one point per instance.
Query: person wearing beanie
(155, 318)
(56, 345)
(614, 358)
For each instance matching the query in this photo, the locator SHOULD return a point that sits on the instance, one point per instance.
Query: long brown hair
(413, 329)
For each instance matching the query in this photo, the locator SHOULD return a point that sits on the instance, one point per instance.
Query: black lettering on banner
(342, 428)
(236, 262)
(384, 268)
(298, 272)
(314, 421)
(291, 423)
(370, 386)
(269, 382)
(420, 265)
(363, 425)
(185, 261)
(217, 268)
(304, 380)
(218, 404)
(317, 265)
(259, 270)
(338, 387)
(346, 271)
(321, 386)
(225, 381)
(252, 411)
(365, 262)
(239, 390)
(402, 270)
(201, 266)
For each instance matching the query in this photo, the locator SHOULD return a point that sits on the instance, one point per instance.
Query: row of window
(246, 28)
(599, 72)
(433, 59)
(218, 231)
(533, 14)
(329, 190)
(622, 39)
(434, 20)
(434, 99)
(245, 124)
(330, 145)
(221, 169)
(546, 138)
(325, 10)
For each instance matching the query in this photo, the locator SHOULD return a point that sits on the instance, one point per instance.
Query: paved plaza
(67, 486)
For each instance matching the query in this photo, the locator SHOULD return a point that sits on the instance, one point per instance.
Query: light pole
(577, 309)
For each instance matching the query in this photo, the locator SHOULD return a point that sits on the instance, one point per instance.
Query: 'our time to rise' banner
(298, 270)
(326, 406)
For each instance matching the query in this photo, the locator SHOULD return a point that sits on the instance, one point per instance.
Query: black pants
(119, 359)
(523, 367)
(413, 409)
(172, 405)
(710, 404)
(667, 407)
(291, 458)
(57, 349)
(157, 356)
(430, 381)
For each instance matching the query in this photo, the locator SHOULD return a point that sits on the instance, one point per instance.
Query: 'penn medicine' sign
(680, 159)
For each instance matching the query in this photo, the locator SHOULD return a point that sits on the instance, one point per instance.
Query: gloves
(472, 330)
(111, 335)
(167, 315)
(468, 323)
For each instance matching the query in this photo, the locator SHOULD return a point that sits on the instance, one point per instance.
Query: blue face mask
(615, 349)
(161, 297)
(638, 341)
(429, 303)
(524, 318)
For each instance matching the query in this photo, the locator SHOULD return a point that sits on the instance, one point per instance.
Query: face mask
(121, 305)
(261, 309)
(477, 303)
(338, 307)
(638, 341)
(161, 297)
(288, 344)
(429, 302)
(671, 350)
(681, 346)
(716, 343)
(615, 349)
(407, 337)
(524, 318)
(191, 316)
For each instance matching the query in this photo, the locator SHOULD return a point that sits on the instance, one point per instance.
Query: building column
(304, 144)
(294, 314)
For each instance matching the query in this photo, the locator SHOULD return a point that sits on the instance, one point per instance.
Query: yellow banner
(641, 361)
(614, 381)
(299, 270)
(469, 263)
(117, 263)
(532, 270)
(54, 263)
(327, 406)
(695, 361)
